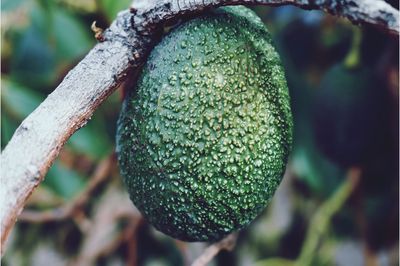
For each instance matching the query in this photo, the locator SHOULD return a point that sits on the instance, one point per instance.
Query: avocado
(349, 115)
(204, 138)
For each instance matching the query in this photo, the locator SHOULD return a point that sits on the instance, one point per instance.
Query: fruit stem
(353, 57)
(321, 220)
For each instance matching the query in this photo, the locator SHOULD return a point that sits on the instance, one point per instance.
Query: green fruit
(349, 115)
(204, 139)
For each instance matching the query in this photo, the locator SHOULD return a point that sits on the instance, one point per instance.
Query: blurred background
(337, 205)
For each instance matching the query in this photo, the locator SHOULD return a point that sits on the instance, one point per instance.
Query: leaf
(65, 182)
(8, 126)
(71, 36)
(9, 5)
(92, 139)
(319, 173)
(112, 7)
(53, 39)
(33, 58)
(18, 100)
(82, 6)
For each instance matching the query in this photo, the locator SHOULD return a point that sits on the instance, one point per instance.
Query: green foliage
(92, 139)
(7, 5)
(18, 100)
(44, 42)
(203, 142)
(112, 7)
(70, 37)
(53, 37)
(63, 181)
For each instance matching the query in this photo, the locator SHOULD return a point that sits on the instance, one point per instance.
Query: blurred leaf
(53, 35)
(319, 173)
(40, 15)
(70, 35)
(32, 60)
(336, 34)
(8, 126)
(87, 6)
(8, 5)
(92, 139)
(112, 7)
(65, 182)
(19, 100)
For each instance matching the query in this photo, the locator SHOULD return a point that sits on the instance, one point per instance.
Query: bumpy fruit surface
(204, 139)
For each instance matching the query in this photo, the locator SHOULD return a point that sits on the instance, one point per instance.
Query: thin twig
(322, 218)
(131, 236)
(319, 223)
(228, 243)
(104, 234)
(128, 236)
(100, 175)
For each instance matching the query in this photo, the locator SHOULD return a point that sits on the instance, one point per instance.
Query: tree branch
(124, 47)
(99, 176)
(228, 243)
(374, 12)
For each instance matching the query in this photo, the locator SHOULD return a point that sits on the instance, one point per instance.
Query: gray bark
(38, 140)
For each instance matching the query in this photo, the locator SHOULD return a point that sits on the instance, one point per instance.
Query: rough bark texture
(39, 138)
(375, 12)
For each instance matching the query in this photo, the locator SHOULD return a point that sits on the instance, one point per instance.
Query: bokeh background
(344, 86)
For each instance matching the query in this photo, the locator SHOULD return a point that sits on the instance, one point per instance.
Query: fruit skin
(204, 139)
